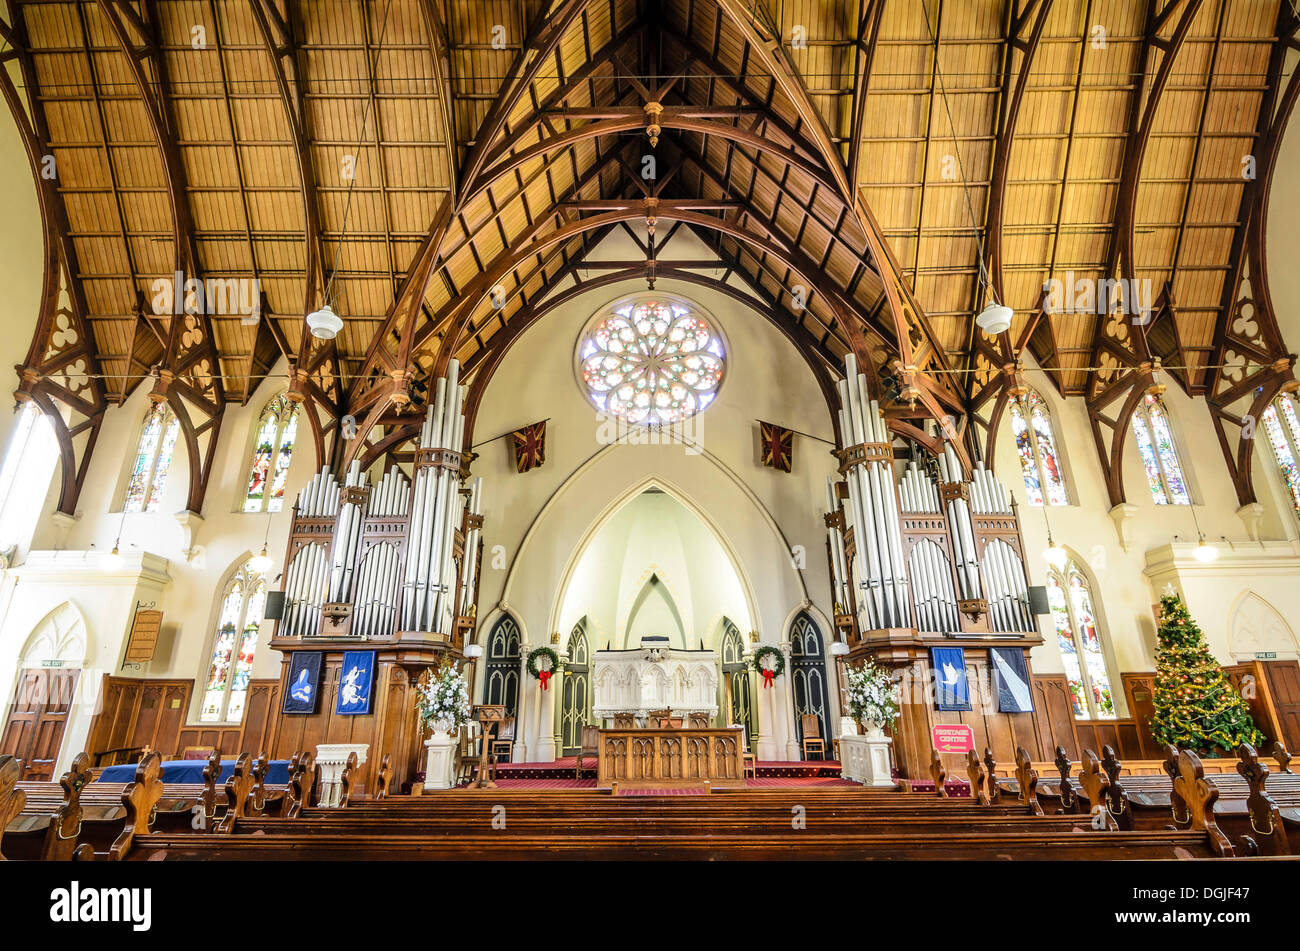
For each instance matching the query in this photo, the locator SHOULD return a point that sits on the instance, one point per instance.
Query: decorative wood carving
(975, 775)
(141, 801)
(1095, 786)
(347, 779)
(1200, 798)
(239, 787)
(1116, 798)
(208, 798)
(1027, 781)
(1265, 819)
(383, 777)
(1170, 765)
(1069, 800)
(65, 823)
(938, 774)
(1282, 757)
(990, 766)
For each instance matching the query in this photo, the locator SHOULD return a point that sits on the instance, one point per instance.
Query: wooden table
(670, 759)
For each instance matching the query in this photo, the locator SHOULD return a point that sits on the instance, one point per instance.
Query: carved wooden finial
(238, 788)
(12, 799)
(141, 801)
(65, 824)
(348, 779)
(1282, 756)
(257, 796)
(990, 765)
(1069, 801)
(1265, 819)
(1200, 797)
(208, 798)
(975, 773)
(1027, 781)
(383, 777)
(1170, 765)
(1116, 797)
(1095, 787)
(939, 774)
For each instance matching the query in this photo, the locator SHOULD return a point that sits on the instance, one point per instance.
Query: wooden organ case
(950, 549)
(391, 568)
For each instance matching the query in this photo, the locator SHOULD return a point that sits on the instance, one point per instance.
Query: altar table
(669, 759)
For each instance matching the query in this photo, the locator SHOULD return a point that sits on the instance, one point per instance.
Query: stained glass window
(277, 428)
(1155, 442)
(1031, 424)
(1070, 599)
(231, 666)
(153, 458)
(25, 476)
(652, 361)
(1282, 426)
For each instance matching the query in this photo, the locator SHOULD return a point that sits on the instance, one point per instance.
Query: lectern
(486, 715)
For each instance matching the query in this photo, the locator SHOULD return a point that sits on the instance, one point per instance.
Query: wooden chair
(699, 721)
(466, 759)
(504, 742)
(590, 748)
(197, 752)
(749, 764)
(812, 735)
(624, 721)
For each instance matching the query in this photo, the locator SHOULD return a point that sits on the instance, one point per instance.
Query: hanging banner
(777, 444)
(530, 446)
(951, 689)
(1011, 679)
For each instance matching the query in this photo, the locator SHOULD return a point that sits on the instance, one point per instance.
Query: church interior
(653, 415)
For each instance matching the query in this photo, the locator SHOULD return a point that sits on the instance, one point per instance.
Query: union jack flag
(530, 446)
(777, 446)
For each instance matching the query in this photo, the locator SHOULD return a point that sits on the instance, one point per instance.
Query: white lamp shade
(473, 651)
(995, 318)
(1205, 553)
(1056, 556)
(324, 323)
(839, 648)
(261, 562)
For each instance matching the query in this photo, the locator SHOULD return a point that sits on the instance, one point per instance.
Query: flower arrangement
(444, 698)
(871, 694)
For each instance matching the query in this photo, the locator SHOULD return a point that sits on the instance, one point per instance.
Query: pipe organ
(400, 556)
(924, 549)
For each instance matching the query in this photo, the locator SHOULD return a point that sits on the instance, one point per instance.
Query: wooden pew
(141, 799)
(12, 799)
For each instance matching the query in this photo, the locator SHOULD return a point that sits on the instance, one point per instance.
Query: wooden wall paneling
(1252, 682)
(1283, 680)
(1054, 714)
(1139, 691)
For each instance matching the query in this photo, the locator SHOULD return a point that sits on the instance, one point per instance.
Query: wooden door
(808, 676)
(39, 715)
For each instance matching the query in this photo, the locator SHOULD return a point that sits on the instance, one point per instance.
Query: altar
(654, 677)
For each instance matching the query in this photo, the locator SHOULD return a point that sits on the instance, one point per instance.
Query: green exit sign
(51, 663)
(1266, 655)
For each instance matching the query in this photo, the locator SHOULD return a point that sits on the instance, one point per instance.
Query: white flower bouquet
(444, 699)
(872, 696)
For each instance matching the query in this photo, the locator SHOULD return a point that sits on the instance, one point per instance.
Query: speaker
(1038, 599)
(274, 610)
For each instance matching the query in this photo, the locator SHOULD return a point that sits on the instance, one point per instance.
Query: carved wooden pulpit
(486, 715)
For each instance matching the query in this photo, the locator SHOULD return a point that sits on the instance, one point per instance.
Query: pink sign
(953, 739)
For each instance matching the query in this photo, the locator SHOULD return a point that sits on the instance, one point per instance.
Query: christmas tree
(1196, 708)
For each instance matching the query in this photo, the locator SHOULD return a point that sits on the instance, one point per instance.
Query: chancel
(667, 414)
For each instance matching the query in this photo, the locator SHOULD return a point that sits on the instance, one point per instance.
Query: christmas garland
(769, 674)
(535, 671)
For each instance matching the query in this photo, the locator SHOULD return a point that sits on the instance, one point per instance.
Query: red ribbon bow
(543, 676)
(768, 677)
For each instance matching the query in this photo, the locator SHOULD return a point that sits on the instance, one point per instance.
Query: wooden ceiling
(435, 167)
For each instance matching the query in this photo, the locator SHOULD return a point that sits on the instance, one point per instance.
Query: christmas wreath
(776, 668)
(543, 673)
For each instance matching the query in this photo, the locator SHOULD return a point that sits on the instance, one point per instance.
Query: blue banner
(951, 689)
(304, 682)
(1011, 678)
(356, 677)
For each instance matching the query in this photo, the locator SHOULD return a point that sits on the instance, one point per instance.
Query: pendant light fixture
(1054, 554)
(1204, 552)
(261, 562)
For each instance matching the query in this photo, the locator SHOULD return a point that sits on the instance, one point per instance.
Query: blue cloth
(191, 771)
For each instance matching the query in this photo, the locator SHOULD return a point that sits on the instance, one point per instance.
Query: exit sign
(1266, 655)
(51, 663)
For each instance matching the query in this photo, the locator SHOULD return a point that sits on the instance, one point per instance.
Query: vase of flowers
(443, 700)
(872, 697)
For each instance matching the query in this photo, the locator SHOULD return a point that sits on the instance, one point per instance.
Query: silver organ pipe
(474, 530)
(1004, 572)
(882, 574)
(835, 539)
(932, 589)
(347, 535)
(963, 532)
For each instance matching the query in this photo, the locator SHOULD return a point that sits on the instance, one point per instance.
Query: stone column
(520, 753)
(792, 751)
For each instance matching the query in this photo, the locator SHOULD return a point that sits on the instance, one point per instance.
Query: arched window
(1035, 442)
(25, 477)
(1155, 442)
(276, 429)
(1282, 426)
(1070, 598)
(231, 667)
(651, 360)
(153, 457)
